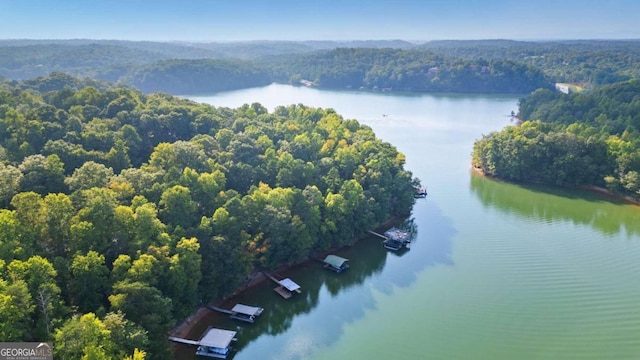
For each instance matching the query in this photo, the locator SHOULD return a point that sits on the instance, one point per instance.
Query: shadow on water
(329, 300)
(605, 214)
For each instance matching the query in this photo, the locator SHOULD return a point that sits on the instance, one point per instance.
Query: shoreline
(257, 277)
(591, 188)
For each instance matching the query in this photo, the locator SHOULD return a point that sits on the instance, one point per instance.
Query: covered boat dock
(245, 312)
(215, 343)
(336, 263)
(240, 312)
(286, 286)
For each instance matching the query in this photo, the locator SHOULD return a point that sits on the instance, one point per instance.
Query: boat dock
(396, 239)
(421, 191)
(287, 286)
(239, 312)
(336, 263)
(214, 343)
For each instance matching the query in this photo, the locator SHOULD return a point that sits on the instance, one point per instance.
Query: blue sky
(240, 20)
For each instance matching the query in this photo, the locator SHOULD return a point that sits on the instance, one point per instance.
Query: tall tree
(16, 311)
(83, 336)
(90, 281)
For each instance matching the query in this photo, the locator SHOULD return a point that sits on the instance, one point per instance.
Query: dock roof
(335, 260)
(217, 338)
(246, 309)
(289, 284)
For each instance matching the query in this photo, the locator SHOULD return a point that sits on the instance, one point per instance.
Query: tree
(40, 277)
(184, 276)
(10, 244)
(147, 228)
(137, 355)
(92, 226)
(57, 212)
(28, 213)
(16, 311)
(83, 336)
(126, 335)
(178, 208)
(89, 175)
(120, 268)
(118, 158)
(10, 179)
(42, 175)
(90, 281)
(145, 269)
(144, 305)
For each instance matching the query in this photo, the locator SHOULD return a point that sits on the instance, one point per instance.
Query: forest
(578, 139)
(480, 66)
(587, 62)
(413, 71)
(120, 211)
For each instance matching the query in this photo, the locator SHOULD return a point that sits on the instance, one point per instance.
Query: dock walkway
(377, 234)
(215, 308)
(184, 341)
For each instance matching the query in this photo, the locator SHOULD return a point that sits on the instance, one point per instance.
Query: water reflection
(548, 204)
(316, 317)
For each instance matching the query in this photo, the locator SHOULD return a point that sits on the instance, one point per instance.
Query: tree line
(439, 66)
(586, 139)
(121, 211)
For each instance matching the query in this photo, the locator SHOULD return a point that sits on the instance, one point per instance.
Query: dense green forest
(587, 62)
(488, 66)
(110, 60)
(589, 138)
(120, 211)
(413, 70)
(198, 76)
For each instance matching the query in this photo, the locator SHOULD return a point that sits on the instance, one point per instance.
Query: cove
(497, 270)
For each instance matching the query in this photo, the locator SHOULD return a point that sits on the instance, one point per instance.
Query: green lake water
(497, 270)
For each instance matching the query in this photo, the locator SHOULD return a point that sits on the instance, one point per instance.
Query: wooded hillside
(121, 211)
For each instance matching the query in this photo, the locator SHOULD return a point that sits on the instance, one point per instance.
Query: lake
(496, 271)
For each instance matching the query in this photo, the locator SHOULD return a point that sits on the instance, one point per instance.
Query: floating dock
(421, 191)
(246, 313)
(396, 239)
(240, 312)
(287, 286)
(336, 263)
(399, 235)
(214, 343)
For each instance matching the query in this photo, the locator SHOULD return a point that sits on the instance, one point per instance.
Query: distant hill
(497, 65)
(106, 62)
(110, 60)
(197, 76)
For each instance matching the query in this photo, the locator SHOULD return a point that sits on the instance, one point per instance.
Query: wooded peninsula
(115, 203)
(577, 139)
